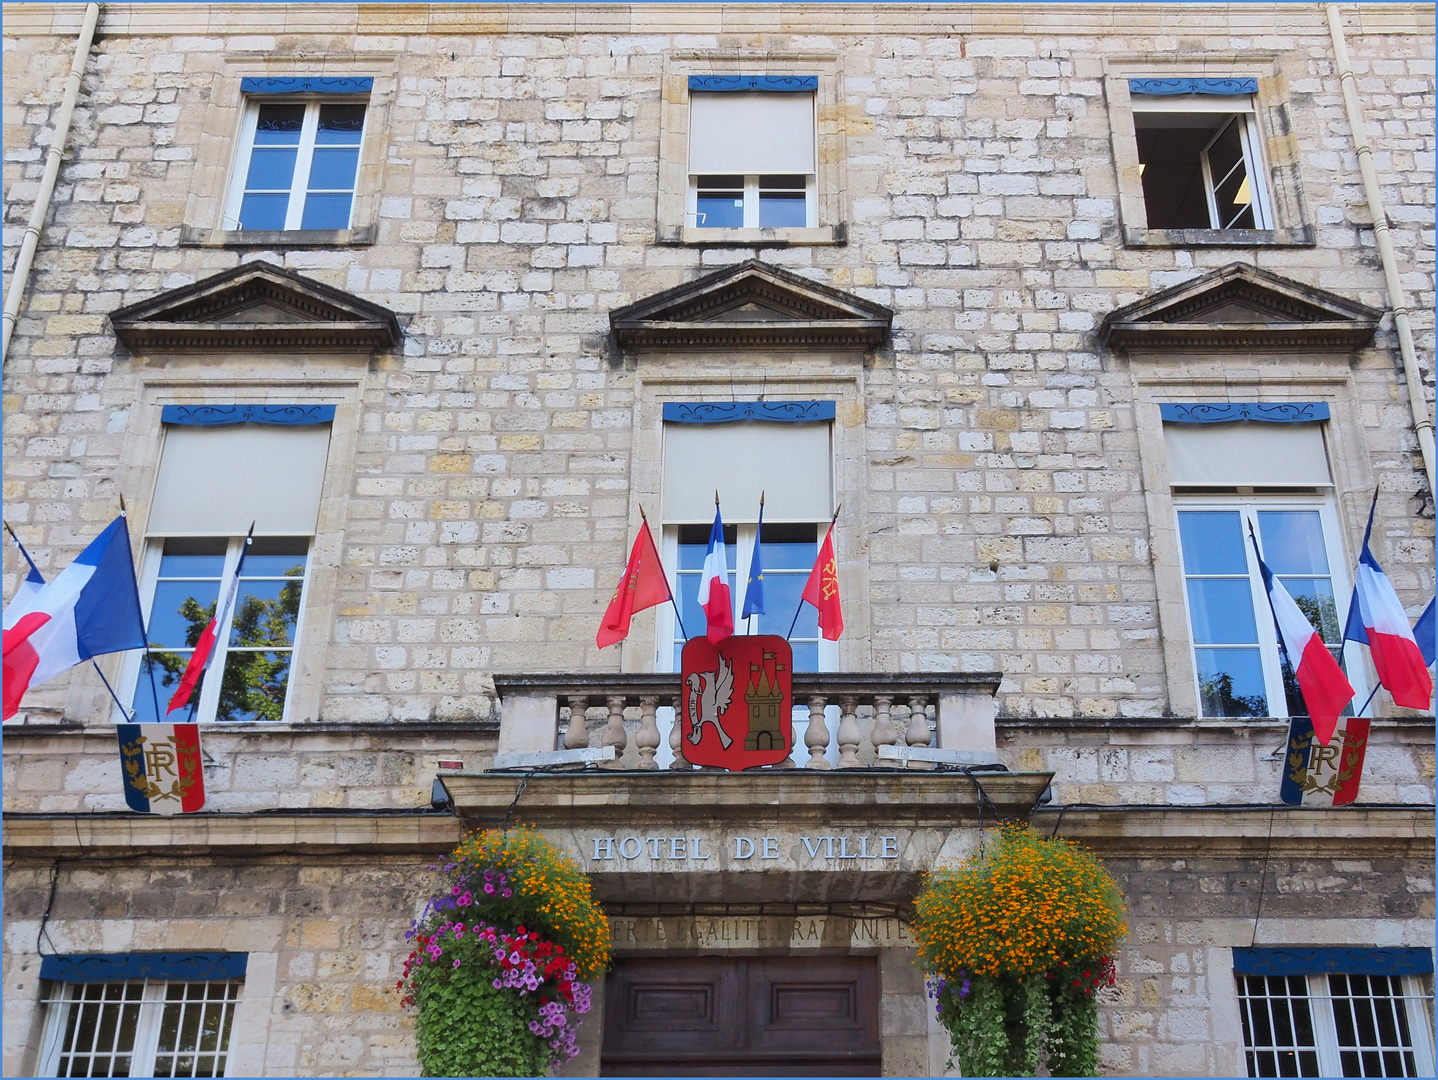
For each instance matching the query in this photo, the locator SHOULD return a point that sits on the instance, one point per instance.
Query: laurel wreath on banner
(1347, 764)
(143, 784)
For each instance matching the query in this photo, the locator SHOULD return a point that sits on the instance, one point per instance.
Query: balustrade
(546, 712)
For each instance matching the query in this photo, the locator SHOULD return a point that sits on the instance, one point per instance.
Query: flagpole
(1369, 702)
(144, 636)
(677, 617)
(128, 714)
(795, 620)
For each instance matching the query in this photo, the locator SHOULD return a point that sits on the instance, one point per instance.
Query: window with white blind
(1273, 479)
(752, 160)
(215, 481)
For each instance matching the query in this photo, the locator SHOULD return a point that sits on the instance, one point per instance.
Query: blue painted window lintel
(1228, 412)
(768, 84)
(1217, 87)
(723, 412)
(122, 967)
(215, 415)
(348, 84)
(1280, 961)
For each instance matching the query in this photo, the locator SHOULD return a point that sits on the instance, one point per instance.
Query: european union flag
(754, 590)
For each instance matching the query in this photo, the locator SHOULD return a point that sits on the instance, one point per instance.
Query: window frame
(747, 532)
(676, 196)
(133, 670)
(304, 158)
(1291, 220)
(1325, 1029)
(752, 203)
(1248, 506)
(1243, 109)
(60, 997)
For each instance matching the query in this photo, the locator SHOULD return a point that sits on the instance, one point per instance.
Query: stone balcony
(948, 711)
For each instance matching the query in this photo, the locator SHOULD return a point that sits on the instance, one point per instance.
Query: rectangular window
(751, 160)
(139, 1027)
(296, 165)
(1201, 162)
(787, 555)
(1235, 646)
(253, 651)
(216, 481)
(1334, 1024)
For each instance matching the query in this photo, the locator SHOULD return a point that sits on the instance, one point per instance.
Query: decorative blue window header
(1228, 412)
(769, 84)
(215, 415)
(357, 84)
(724, 412)
(1332, 961)
(1219, 87)
(121, 967)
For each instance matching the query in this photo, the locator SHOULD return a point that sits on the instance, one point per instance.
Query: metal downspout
(1397, 300)
(20, 275)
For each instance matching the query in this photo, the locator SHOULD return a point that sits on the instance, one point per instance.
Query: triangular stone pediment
(1241, 306)
(754, 305)
(256, 306)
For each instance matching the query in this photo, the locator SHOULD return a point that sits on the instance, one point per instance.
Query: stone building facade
(533, 284)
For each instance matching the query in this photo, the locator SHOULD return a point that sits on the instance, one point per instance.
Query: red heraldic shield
(738, 700)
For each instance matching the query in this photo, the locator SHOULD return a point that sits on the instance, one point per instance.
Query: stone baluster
(883, 734)
(816, 735)
(849, 733)
(647, 740)
(676, 737)
(614, 733)
(576, 736)
(918, 733)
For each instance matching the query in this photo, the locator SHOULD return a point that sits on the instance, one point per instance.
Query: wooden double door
(742, 1016)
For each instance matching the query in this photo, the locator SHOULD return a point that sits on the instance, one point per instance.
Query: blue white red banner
(162, 768)
(1318, 775)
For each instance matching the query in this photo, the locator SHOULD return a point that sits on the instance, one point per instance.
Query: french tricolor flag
(1376, 618)
(1325, 688)
(91, 607)
(714, 584)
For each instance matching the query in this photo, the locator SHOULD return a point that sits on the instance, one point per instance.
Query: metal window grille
(139, 1028)
(1335, 1025)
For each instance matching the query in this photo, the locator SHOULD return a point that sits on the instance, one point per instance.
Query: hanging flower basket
(503, 953)
(1016, 943)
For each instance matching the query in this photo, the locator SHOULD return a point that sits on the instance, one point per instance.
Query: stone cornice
(1360, 832)
(112, 835)
(852, 797)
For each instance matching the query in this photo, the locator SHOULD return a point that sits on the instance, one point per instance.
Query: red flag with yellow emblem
(822, 589)
(642, 586)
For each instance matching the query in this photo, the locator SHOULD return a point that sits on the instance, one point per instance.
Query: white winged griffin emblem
(709, 695)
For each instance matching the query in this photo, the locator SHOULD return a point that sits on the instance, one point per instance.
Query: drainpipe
(20, 276)
(1422, 419)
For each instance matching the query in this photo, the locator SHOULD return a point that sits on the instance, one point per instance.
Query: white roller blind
(1246, 453)
(789, 462)
(751, 133)
(215, 480)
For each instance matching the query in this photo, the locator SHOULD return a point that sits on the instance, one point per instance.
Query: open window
(1201, 161)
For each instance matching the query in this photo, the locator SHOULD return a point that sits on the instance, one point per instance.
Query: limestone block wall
(325, 938)
(513, 200)
(292, 767)
(348, 766)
